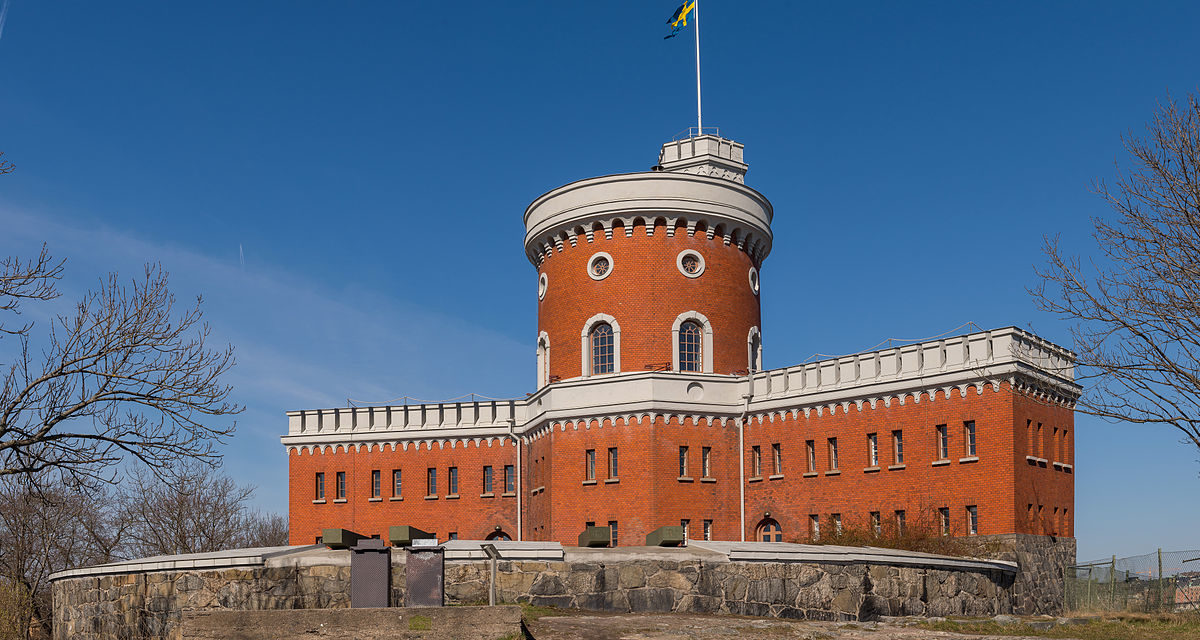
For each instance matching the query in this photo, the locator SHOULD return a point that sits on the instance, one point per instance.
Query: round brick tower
(651, 271)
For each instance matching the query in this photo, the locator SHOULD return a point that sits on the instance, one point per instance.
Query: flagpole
(699, 119)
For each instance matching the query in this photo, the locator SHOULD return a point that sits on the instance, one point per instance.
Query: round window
(754, 280)
(599, 266)
(690, 263)
(542, 284)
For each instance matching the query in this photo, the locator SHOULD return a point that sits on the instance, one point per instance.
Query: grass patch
(420, 623)
(1111, 627)
(532, 612)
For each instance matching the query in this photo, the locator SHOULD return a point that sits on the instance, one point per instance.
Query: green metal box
(340, 538)
(594, 537)
(403, 535)
(668, 536)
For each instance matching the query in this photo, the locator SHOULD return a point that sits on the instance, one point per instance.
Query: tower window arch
(754, 350)
(768, 530)
(692, 343)
(600, 344)
(543, 359)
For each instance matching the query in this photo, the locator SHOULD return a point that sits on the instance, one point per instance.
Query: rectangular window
(873, 449)
(375, 483)
(837, 524)
(708, 530)
(833, 454)
(943, 442)
(510, 479)
(1066, 448)
(777, 458)
(341, 485)
(612, 462)
(487, 479)
(686, 524)
(706, 461)
(683, 462)
(972, 520)
(612, 532)
(944, 520)
(589, 464)
(1029, 438)
(1040, 442)
(898, 446)
(431, 482)
(810, 452)
(900, 521)
(320, 487)
(454, 535)
(814, 526)
(755, 461)
(396, 485)
(876, 524)
(453, 477)
(969, 437)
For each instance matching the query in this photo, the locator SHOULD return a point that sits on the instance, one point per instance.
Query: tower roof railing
(695, 132)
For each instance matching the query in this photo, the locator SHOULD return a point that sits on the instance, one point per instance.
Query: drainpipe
(742, 453)
(512, 434)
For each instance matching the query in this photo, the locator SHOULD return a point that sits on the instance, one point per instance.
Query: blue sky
(344, 181)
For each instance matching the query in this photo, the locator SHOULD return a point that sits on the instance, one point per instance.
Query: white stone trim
(707, 346)
(586, 347)
(755, 283)
(596, 256)
(679, 263)
(543, 285)
(543, 359)
(754, 356)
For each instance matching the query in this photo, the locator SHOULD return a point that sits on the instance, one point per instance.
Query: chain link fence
(1164, 581)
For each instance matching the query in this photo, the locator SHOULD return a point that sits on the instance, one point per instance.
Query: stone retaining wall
(152, 603)
(1042, 562)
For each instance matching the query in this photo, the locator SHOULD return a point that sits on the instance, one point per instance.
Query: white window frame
(543, 359)
(754, 351)
(706, 345)
(585, 355)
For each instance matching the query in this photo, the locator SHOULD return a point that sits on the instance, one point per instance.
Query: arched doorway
(499, 535)
(769, 531)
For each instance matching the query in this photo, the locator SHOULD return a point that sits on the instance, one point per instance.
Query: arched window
(603, 350)
(769, 531)
(600, 345)
(691, 347)
(543, 360)
(754, 350)
(692, 343)
(499, 535)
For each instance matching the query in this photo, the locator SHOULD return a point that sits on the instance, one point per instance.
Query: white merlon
(914, 373)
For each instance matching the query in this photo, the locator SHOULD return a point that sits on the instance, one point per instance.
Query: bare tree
(5, 165)
(1137, 309)
(200, 510)
(123, 375)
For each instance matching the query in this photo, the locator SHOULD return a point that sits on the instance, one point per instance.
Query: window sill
(896, 467)
(611, 480)
(775, 476)
(835, 472)
(487, 495)
(374, 499)
(1069, 468)
(589, 482)
(339, 500)
(810, 474)
(874, 469)
(321, 501)
(452, 496)
(396, 499)
(754, 479)
(685, 479)
(708, 479)
(508, 494)
(1041, 462)
(538, 490)
(968, 459)
(431, 497)
(940, 463)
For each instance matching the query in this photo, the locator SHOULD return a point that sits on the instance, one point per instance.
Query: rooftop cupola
(706, 155)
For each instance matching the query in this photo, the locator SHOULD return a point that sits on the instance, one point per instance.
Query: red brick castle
(652, 408)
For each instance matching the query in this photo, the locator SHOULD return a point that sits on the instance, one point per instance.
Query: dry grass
(1108, 627)
(922, 533)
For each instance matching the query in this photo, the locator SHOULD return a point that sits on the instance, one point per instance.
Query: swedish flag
(678, 20)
